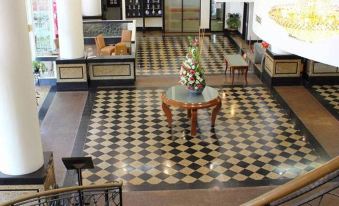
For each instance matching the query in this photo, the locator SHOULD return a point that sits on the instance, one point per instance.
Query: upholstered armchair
(121, 49)
(102, 49)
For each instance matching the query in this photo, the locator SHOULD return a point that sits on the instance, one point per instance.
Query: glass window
(43, 26)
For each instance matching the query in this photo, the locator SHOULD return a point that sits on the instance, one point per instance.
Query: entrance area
(217, 16)
(182, 16)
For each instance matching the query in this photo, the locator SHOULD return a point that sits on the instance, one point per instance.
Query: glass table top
(236, 60)
(180, 93)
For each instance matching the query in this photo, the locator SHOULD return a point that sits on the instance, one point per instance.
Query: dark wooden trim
(280, 81)
(244, 31)
(71, 61)
(113, 82)
(320, 80)
(282, 56)
(122, 58)
(153, 29)
(92, 17)
(72, 86)
(209, 23)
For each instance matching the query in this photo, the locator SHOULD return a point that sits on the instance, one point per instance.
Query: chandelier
(308, 20)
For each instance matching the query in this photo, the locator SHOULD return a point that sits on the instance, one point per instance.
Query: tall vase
(196, 91)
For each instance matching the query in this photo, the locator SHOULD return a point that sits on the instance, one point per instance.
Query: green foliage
(233, 21)
(38, 67)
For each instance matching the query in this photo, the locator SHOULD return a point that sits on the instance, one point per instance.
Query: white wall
(205, 14)
(235, 7)
(251, 35)
(153, 22)
(91, 7)
(324, 51)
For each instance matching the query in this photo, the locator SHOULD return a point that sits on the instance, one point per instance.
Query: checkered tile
(253, 140)
(329, 94)
(164, 55)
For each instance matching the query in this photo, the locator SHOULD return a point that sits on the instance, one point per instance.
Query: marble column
(71, 37)
(91, 8)
(20, 143)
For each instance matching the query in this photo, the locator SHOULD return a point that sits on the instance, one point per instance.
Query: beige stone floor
(63, 118)
(316, 118)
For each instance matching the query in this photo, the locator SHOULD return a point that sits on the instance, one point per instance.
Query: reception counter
(96, 70)
(318, 73)
(282, 69)
(80, 74)
(112, 70)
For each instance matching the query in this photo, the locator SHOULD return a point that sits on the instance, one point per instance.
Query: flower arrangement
(265, 45)
(191, 71)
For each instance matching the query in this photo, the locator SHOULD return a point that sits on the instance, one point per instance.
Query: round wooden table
(179, 96)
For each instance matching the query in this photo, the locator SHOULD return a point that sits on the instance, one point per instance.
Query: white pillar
(91, 8)
(71, 35)
(20, 143)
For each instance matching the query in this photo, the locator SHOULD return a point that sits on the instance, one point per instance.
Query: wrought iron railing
(103, 195)
(309, 189)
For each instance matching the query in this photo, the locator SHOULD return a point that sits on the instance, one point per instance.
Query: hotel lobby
(161, 102)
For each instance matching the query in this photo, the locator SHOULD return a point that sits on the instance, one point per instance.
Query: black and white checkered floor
(164, 55)
(253, 143)
(328, 95)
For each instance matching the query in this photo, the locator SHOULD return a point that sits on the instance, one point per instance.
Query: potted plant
(233, 21)
(38, 67)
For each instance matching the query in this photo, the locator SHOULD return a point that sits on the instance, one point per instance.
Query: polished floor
(263, 137)
(328, 95)
(163, 55)
(254, 142)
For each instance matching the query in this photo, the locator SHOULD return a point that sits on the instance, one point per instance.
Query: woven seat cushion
(107, 50)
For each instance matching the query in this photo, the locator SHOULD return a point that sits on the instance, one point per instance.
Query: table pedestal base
(192, 113)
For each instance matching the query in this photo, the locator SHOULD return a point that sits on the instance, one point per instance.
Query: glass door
(191, 15)
(217, 16)
(173, 15)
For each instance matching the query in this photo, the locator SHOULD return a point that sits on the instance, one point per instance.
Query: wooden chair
(126, 36)
(102, 49)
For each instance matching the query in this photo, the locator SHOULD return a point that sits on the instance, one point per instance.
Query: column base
(12, 187)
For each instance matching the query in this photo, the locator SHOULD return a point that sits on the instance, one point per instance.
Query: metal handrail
(296, 184)
(56, 192)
